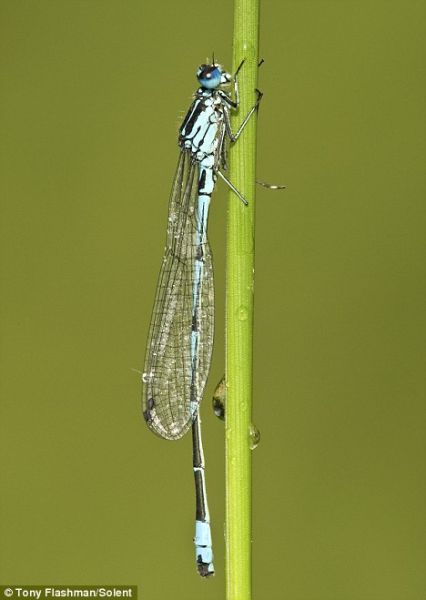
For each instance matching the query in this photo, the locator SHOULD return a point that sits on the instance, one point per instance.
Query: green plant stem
(239, 311)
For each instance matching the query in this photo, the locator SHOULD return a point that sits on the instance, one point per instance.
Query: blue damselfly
(181, 333)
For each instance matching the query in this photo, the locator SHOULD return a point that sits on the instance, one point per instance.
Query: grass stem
(239, 311)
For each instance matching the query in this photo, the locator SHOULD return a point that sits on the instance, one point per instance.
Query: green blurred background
(92, 94)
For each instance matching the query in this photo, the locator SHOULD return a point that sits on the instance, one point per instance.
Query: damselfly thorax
(203, 129)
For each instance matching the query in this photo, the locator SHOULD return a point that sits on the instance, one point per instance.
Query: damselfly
(181, 333)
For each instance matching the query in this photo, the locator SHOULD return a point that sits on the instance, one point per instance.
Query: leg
(233, 188)
(271, 186)
(237, 98)
(234, 136)
(235, 103)
(236, 94)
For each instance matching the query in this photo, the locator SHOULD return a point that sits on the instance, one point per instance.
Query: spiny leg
(233, 188)
(234, 136)
(271, 186)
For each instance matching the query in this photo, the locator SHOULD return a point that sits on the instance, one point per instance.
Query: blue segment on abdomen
(203, 544)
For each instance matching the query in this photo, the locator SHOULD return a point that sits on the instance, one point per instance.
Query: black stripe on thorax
(191, 119)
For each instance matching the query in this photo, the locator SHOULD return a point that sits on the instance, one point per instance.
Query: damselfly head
(209, 76)
(212, 76)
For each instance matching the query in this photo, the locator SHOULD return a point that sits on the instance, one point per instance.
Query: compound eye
(209, 76)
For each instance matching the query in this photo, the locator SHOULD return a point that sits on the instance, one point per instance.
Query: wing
(173, 381)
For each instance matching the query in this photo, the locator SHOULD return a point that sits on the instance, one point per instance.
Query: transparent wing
(173, 381)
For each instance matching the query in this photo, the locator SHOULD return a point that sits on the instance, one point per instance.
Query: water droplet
(254, 436)
(219, 399)
(242, 313)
